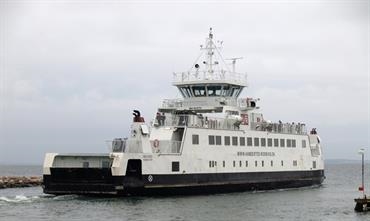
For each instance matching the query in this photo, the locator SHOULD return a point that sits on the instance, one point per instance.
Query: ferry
(209, 141)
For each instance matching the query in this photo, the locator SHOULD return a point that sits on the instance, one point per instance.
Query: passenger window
(242, 141)
(293, 143)
(276, 142)
(303, 143)
(288, 143)
(263, 142)
(269, 142)
(227, 141)
(282, 143)
(235, 141)
(195, 139)
(294, 163)
(256, 141)
(175, 166)
(211, 140)
(218, 140)
(249, 141)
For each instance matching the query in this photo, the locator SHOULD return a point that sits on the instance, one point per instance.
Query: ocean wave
(18, 198)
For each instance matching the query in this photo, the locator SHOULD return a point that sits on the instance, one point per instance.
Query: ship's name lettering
(256, 154)
(195, 108)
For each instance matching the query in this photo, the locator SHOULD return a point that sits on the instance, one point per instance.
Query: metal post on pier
(362, 204)
(362, 188)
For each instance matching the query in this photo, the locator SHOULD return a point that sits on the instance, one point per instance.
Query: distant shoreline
(19, 181)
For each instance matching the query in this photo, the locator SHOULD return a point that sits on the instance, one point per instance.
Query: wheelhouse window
(225, 91)
(276, 142)
(199, 91)
(186, 92)
(214, 91)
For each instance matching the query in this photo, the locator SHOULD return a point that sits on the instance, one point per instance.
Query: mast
(209, 48)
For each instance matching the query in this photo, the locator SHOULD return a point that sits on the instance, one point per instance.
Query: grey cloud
(72, 72)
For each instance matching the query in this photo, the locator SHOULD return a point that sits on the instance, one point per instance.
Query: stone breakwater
(19, 181)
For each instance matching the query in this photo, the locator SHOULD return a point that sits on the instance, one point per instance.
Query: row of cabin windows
(240, 164)
(176, 164)
(211, 90)
(217, 140)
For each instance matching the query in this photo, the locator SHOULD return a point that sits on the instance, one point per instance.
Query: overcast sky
(71, 72)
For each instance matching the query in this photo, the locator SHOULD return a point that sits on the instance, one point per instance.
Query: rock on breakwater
(19, 181)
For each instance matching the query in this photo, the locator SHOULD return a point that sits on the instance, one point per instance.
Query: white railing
(166, 146)
(125, 146)
(286, 128)
(222, 75)
(172, 103)
(199, 121)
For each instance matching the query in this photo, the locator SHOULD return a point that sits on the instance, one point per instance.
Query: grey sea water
(331, 201)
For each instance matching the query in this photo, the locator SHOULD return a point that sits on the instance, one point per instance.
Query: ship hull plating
(74, 181)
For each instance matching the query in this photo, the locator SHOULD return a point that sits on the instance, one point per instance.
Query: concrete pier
(362, 204)
(19, 181)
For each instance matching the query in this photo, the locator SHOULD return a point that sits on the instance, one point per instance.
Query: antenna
(233, 61)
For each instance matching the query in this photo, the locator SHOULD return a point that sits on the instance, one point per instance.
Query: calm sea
(331, 201)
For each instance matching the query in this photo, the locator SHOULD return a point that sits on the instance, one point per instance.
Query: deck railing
(198, 121)
(166, 146)
(223, 75)
(286, 128)
(125, 146)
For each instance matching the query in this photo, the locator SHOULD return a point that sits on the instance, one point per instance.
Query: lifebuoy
(244, 119)
(156, 143)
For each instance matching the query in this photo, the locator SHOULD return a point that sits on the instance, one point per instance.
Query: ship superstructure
(209, 141)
